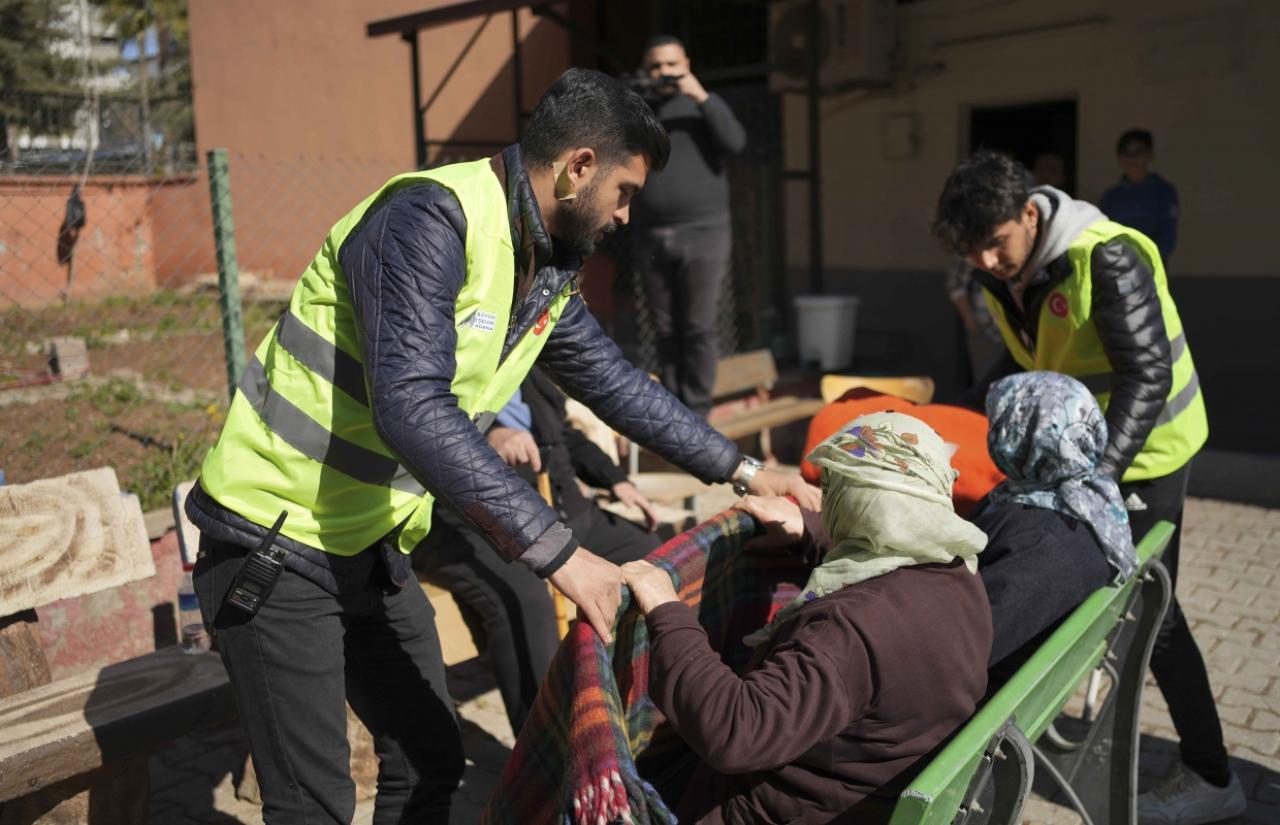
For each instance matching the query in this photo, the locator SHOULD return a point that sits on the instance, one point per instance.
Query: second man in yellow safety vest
(1075, 293)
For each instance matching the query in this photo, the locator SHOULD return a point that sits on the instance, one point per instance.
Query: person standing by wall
(1142, 199)
(1075, 293)
(683, 239)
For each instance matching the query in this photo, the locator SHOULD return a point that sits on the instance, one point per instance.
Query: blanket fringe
(602, 801)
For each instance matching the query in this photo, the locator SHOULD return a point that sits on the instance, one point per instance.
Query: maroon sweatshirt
(835, 709)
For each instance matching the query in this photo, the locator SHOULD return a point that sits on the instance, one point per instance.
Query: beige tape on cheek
(565, 190)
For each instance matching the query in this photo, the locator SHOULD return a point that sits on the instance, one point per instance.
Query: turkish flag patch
(541, 323)
(1058, 305)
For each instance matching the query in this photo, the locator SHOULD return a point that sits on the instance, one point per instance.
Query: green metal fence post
(224, 238)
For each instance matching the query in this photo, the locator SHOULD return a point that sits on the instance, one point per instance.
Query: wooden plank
(744, 372)
(776, 412)
(69, 536)
(77, 724)
(115, 793)
(23, 665)
(668, 487)
(456, 642)
(917, 388)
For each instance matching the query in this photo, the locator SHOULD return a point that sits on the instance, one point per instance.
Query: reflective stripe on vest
(300, 434)
(314, 441)
(1067, 341)
(321, 357)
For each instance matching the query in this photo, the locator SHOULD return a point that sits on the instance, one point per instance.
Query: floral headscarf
(1048, 435)
(886, 502)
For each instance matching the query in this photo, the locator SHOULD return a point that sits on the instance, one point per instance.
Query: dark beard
(576, 225)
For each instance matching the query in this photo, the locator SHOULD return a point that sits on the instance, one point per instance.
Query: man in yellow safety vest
(1075, 293)
(365, 408)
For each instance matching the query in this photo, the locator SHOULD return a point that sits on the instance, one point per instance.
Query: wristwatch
(747, 469)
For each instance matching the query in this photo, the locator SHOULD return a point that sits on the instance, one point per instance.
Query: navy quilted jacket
(405, 264)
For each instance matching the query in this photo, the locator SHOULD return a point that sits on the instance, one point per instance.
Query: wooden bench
(82, 741)
(984, 773)
(751, 377)
(747, 378)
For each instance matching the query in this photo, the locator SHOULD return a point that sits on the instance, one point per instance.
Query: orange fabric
(957, 425)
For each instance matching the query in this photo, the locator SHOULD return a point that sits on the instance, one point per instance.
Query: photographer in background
(681, 219)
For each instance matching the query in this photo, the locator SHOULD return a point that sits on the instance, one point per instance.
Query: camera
(651, 88)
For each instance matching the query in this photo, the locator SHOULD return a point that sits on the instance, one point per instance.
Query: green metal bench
(984, 774)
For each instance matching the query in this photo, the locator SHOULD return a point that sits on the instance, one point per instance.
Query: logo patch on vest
(481, 320)
(541, 324)
(1058, 305)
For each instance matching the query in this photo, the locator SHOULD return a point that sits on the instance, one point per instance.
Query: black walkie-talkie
(258, 575)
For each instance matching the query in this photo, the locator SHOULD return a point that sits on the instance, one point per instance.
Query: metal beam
(419, 127)
(438, 17)
(815, 155)
(517, 72)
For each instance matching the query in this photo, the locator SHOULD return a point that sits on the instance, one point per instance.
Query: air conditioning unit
(854, 46)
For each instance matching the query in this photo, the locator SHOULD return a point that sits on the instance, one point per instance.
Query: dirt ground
(152, 404)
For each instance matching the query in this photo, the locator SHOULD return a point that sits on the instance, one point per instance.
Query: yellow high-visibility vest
(1067, 342)
(299, 434)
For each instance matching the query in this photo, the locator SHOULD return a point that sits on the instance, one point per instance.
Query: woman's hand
(780, 517)
(628, 493)
(650, 586)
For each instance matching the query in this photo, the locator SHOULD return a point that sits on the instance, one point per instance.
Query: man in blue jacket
(1142, 199)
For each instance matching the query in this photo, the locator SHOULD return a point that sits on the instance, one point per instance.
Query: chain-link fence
(104, 243)
(111, 333)
(111, 337)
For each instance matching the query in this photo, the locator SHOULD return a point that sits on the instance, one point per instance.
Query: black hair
(1136, 135)
(980, 194)
(587, 108)
(662, 40)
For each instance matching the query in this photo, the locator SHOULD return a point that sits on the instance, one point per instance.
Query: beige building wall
(1203, 77)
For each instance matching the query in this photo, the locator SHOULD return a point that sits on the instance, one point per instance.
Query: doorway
(1041, 136)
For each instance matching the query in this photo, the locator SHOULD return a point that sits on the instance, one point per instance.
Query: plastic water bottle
(194, 637)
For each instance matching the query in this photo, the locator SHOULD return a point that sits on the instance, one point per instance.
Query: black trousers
(683, 269)
(1176, 661)
(294, 666)
(509, 609)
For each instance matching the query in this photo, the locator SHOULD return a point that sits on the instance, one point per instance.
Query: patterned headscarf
(886, 502)
(1047, 435)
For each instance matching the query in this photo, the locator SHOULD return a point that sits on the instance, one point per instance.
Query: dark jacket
(404, 266)
(1149, 206)
(693, 189)
(1130, 322)
(836, 709)
(1037, 567)
(567, 454)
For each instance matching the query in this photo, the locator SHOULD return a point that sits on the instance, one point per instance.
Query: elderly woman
(1056, 529)
(878, 660)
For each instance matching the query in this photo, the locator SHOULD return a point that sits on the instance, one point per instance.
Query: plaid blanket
(575, 761)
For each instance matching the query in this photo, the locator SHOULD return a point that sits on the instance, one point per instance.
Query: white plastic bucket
(827, 324)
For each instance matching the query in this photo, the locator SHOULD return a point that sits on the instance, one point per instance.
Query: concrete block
(68, 358)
